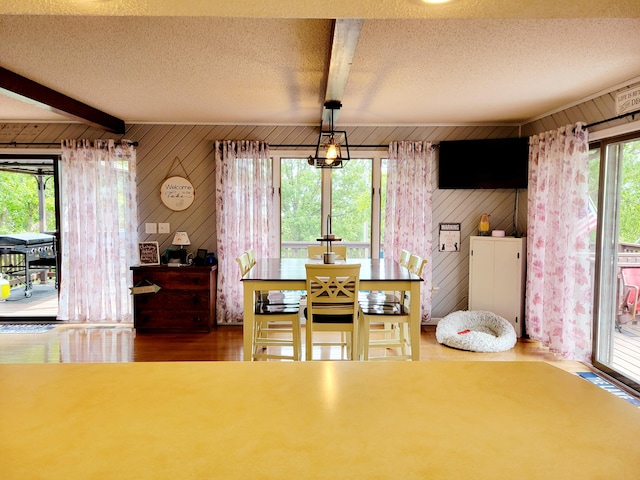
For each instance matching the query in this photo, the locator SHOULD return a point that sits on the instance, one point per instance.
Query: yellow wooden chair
(332, 305)
(276, 322)
(415, 264)
(244, 263)
(404, 258)
(392, 312)
(252, 256)
(393, 335)
(316, 251)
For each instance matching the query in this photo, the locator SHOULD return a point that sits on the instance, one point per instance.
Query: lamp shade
(181, 238)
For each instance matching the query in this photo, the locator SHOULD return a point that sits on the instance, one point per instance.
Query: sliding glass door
(28, 220)
(617, 266)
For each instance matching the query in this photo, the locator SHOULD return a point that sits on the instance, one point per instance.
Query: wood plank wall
(596, 109)
(159, 145)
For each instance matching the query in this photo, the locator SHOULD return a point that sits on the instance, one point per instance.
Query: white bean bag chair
(476, 331)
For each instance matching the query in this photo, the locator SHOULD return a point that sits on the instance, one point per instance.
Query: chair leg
(366, 326)
(309, 341)
(297, 341)
(403, 335)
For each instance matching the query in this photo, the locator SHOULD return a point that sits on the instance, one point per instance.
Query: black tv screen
(488, 163)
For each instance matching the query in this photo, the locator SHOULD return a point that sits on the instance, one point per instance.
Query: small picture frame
(149, 253)
(449, 238)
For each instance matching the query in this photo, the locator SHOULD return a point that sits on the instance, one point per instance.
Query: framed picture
(148, 253)
(449, 238)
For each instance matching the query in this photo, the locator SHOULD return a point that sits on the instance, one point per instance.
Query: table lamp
(181, 239)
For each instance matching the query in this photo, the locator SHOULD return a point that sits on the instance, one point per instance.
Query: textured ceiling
(248, 62)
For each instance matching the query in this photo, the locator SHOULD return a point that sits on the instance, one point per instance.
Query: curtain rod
(613, 118)
(50, 144)
(315, 145)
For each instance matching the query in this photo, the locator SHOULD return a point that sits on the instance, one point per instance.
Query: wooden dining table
(290, 274)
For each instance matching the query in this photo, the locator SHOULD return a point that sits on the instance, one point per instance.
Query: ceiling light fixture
(332, 150)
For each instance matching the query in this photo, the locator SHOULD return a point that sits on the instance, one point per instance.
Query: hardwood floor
(120, 343)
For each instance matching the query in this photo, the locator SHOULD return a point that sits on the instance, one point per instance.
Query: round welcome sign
(177, 193)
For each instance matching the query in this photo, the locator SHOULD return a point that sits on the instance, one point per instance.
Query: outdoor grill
(37, 252)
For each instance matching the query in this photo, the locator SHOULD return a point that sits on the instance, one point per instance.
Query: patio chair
(630, 277)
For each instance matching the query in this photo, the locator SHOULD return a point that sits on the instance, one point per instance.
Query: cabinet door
(481, 274)
(507, 283)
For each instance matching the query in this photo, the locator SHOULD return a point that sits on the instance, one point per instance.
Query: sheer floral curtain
(244, 209)
(98, 223)
(558, 303)
(408, 209)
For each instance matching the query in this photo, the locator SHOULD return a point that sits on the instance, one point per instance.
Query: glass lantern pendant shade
(332, 150)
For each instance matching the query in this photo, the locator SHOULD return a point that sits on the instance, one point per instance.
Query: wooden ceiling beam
(344, 40)
(21, 88)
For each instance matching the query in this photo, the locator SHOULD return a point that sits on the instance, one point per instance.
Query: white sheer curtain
(558, 302)
(98, 225)
(244, 209)
(408, 209)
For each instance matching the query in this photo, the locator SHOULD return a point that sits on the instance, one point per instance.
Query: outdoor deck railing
(12, 269)
(299, 249)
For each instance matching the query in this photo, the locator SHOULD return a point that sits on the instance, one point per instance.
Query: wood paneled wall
(159, 145)
(596, 109)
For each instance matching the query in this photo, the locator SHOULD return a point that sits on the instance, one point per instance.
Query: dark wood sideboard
(186, 301)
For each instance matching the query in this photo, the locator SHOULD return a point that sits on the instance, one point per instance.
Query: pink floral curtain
(99, 230)
(244, 209)
(408, 209)
(558, 301)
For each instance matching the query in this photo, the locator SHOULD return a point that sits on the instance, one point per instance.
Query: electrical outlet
(435, 288)
(164, 228)
(150, 228)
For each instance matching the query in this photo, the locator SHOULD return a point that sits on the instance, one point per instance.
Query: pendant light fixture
(332, 150)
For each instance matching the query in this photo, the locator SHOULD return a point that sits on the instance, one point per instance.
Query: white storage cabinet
(497, 277)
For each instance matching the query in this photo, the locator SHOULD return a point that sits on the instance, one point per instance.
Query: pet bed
(476, 331)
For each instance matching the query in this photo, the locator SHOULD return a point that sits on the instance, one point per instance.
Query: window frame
(375, 156)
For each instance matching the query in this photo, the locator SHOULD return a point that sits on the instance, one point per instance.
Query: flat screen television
(487, 163)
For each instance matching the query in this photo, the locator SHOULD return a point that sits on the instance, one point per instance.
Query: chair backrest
(252, 257)
(244, 263)
(420, 267)
(414, 263)
(313, 251)
(332, 291)
(631, 281)
(404, 258)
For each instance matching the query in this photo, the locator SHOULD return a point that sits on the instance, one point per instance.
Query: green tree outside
(301, 201)
(629, 202)
(629, 227)
(19, 211)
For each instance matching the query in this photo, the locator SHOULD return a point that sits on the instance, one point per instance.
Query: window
(308, 195)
